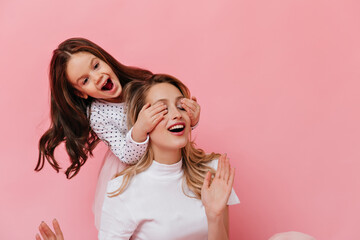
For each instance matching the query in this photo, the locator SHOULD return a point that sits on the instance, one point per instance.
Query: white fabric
(108, 121)
(111, 166)
(155, 207)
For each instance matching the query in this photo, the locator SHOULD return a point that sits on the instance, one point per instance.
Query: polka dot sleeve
(108, 121)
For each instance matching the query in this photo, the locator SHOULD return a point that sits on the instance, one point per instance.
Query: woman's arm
(218, 228)
(215, 195)
(226, 219)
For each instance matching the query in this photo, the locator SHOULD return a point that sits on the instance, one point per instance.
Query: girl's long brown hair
(194, 159)
(69, 121)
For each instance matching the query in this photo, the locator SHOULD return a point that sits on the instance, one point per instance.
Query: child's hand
(215, 193)
(192, 108)
(148, 118)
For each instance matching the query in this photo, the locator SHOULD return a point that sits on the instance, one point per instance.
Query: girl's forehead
(78, 64)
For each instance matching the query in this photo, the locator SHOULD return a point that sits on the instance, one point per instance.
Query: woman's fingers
(222, 166)
(57, 229)
(217, 173)
(207, 180)
(43, 231)
(226, 169)
(48, 234)
(231, 177)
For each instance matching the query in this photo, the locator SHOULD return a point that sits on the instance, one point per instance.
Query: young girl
(87, 105)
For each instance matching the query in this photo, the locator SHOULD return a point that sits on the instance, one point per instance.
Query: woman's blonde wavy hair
(194, 159)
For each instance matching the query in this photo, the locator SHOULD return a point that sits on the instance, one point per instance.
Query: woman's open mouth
(108, 85)
(177, 128)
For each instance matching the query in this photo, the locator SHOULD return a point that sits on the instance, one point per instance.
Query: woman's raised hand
(215, 192)
(48, 234)
(192, 108)
(149, 117)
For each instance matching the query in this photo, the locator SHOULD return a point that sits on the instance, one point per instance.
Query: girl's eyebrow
(91, 63)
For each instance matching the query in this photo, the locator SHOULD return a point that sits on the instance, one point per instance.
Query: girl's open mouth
(108, 85)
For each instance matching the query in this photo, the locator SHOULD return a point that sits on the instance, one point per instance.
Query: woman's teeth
(176, 128)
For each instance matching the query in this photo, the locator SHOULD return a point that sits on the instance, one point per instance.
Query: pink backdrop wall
(278, 82)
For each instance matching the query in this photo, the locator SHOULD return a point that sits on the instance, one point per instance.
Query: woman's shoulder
(115, 184)
(136, 188)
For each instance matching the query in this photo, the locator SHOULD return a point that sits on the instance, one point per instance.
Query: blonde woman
(170, 193)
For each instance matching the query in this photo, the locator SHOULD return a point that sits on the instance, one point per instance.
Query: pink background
(278, 82)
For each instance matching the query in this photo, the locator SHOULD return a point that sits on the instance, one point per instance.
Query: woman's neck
(166, 156)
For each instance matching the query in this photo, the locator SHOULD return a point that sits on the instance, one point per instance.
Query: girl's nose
(97, 77)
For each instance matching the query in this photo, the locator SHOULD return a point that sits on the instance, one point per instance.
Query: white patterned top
(109, 122)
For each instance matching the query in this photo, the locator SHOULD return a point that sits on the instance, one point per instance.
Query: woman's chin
(172, 146)
(180, 143)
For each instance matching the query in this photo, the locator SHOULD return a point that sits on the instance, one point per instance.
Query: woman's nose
(175, 113)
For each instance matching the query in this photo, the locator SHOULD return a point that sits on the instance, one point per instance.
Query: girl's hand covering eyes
(215, 192)
(48, 234)
(192, 108)
(148, 118)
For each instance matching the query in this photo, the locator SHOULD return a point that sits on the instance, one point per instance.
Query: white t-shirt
(155, 207)
(109, 122)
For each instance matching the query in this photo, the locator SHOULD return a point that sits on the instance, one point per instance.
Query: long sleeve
(108, 121)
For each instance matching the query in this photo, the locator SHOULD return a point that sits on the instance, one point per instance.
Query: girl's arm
(215, 194)
(109, 122)
(149, 117)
